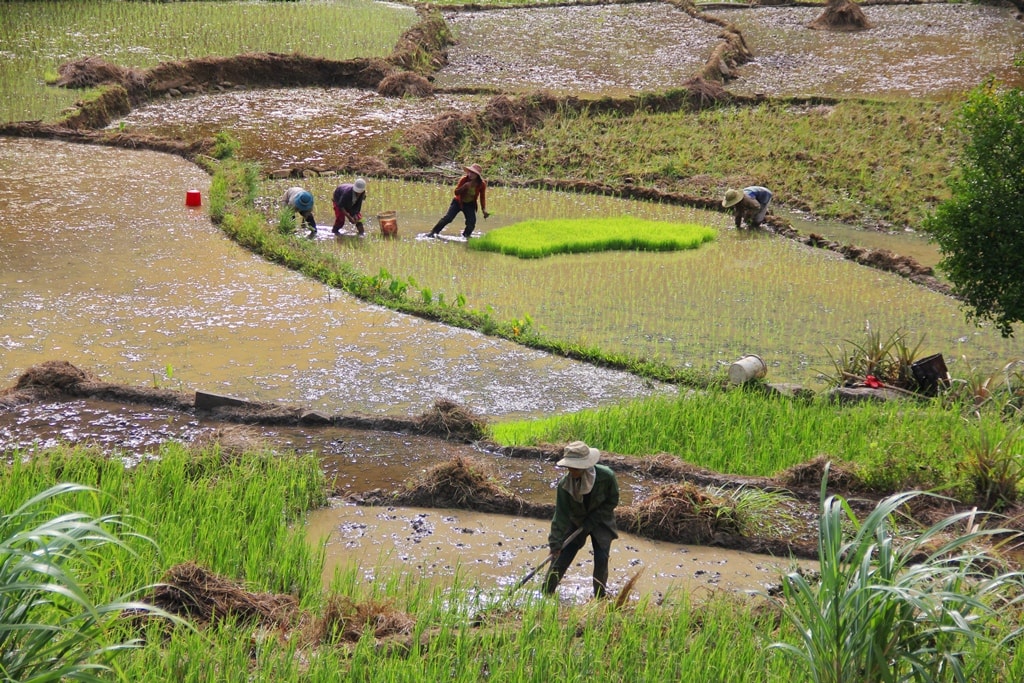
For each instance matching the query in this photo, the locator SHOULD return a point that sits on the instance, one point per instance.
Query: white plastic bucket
(747, 368)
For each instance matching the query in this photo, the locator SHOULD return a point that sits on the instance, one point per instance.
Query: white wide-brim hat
(579, 456)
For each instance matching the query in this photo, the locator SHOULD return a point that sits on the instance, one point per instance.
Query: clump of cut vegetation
(684, 513)
(450, 420)
(537, 239)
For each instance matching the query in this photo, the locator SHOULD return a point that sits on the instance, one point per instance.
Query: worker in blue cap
(301, 201)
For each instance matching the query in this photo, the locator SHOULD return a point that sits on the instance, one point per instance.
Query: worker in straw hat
(301, 201)
(587, 496)
(348, 205)
(751, 204)
(471, 188)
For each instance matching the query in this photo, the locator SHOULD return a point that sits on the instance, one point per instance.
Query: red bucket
(193, 198)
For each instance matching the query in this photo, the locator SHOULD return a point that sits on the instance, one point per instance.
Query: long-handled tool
(547, 559)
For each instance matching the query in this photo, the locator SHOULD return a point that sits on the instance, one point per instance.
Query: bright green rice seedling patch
(539, 238)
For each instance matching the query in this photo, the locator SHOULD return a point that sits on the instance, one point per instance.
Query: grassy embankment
(889, 447)
(237, 516)
(850, 160)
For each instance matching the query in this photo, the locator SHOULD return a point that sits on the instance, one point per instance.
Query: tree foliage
(980, 229)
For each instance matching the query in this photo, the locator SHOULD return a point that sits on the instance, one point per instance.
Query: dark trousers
(562, 563)
(469, 210)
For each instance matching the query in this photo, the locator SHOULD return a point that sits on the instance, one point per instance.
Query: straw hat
(579, 456)
(732, 198)
(474, 168)
(359, 186)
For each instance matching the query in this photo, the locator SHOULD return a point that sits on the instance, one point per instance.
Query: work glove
(486, 215)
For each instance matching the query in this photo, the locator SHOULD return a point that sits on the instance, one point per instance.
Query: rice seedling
(893, 446)
(39, 36)
(537, 239)
(822, 148)
(894, 606)
(697, 309)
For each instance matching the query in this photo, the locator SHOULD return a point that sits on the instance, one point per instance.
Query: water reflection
(912, 50)
(103, 265)
(606, 49)
(327, 127)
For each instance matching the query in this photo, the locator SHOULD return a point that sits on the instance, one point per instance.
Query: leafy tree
(980, 229)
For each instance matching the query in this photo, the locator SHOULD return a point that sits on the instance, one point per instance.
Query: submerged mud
(615, 49)
(912, 50)
(308, 128)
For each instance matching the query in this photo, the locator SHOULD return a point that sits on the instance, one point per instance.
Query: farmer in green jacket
(587, 496)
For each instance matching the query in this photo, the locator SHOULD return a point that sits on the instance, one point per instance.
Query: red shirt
(467, 191)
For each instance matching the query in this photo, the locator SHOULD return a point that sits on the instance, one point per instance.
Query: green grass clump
(893, 607)
(537, 238)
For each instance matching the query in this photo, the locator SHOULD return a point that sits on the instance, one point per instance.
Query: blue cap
(304, 202)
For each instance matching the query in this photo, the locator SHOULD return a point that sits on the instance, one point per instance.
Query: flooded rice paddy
(486, 550)
(911, 50)
(603, 49)
(104, 266)
(326, 127)
(37, 37)
(744, 293)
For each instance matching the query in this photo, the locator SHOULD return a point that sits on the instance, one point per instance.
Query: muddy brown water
(326, 127)
(604, 49)
(103, 265)
(494, 553)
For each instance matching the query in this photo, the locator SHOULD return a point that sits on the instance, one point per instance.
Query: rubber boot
(600, 583)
